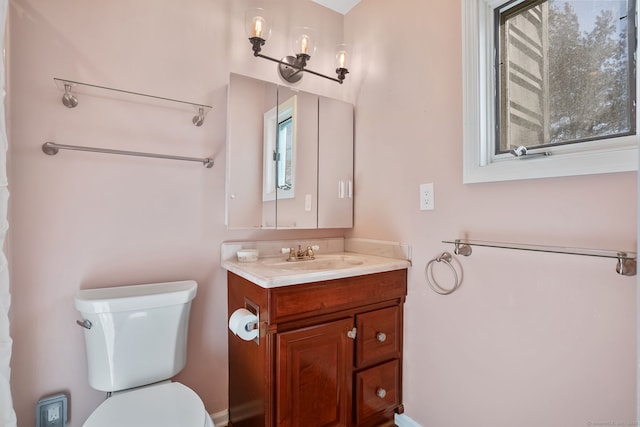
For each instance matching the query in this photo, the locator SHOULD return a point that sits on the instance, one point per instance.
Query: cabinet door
(335, 164)
(313, 375)
(296, 162)
(248, 100)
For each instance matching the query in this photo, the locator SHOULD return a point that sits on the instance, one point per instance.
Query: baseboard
(401, 420)
(221, 419)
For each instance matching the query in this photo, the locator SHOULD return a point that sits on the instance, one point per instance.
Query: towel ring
(431, 281)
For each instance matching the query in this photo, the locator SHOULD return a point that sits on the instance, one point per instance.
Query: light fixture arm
(298, 63)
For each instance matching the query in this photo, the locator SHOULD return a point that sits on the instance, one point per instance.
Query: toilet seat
(164, 405)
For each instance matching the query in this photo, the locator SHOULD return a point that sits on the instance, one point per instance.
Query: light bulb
(257, 23)
(341, 56)
(304, 42)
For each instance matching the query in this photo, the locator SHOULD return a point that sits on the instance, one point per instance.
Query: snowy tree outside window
(566, 72)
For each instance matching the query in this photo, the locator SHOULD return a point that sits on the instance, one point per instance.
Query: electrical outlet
(427, 198)
(52, 411)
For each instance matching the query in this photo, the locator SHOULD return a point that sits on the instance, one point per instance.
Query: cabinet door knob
(381, 393)
(352, 333)
(381, 336)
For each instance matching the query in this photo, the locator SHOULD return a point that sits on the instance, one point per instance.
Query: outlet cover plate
(427, 197)
(51, 411)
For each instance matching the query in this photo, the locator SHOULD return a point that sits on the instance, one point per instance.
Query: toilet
(136, 340)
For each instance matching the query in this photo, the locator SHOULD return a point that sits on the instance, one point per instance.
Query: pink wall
(82, 220)
(529, 339)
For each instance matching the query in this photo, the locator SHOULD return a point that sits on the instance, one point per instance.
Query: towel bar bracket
(462, 248)
(625, 265)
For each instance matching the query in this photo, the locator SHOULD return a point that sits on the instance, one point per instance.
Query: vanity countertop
(271, 272)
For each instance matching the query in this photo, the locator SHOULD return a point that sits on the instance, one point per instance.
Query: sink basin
(321, 262)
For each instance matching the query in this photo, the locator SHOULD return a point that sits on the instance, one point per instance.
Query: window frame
(480, 164)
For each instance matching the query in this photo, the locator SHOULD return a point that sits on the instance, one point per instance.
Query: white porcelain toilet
(136, 340)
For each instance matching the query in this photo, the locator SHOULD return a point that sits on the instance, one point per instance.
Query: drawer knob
(381, 393)
(381, 336)
(352, 333)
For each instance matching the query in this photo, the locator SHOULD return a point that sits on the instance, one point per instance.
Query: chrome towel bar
(71, 101)
(51, 148)
(626, 265)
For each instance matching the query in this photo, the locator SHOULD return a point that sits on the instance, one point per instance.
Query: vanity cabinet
(329, 353)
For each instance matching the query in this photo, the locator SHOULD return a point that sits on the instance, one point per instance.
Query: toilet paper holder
(255, 309)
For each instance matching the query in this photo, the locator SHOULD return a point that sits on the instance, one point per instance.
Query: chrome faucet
(301, 254)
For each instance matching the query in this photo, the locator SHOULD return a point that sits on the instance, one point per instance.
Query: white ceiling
(341, 6)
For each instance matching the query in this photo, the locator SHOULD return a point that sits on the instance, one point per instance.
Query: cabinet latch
(352, 333)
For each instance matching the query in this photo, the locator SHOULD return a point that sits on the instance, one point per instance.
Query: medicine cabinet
(289, 158)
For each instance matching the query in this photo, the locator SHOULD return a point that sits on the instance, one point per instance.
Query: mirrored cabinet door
(295, 160)
(335, 163)
(248, 101)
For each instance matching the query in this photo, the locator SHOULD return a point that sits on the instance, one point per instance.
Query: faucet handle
(285, 250)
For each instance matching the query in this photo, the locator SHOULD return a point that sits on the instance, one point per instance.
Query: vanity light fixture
(291, 67)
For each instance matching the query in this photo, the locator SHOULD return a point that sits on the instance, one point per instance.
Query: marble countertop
(271, 272)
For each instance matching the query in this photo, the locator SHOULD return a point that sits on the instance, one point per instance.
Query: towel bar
(626, 261)
(51, 148)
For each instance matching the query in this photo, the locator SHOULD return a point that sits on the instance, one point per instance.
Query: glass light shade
(304, 41)
(342, 56)
(257, 23)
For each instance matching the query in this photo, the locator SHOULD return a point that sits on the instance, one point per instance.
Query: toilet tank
(138, 333)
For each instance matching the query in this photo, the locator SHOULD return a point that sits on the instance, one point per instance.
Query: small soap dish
(247, 255)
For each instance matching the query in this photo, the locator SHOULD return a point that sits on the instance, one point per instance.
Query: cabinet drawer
(377, 390)
(379, 336)
(288, 303)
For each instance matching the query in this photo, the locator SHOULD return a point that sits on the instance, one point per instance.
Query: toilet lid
(164, 405)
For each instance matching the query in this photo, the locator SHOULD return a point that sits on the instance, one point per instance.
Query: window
(279, 150)
(554, 76)
(284, 154)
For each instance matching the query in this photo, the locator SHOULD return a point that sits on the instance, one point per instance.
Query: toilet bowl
(136, 340)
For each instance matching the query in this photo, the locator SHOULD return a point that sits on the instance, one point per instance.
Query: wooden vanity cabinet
(329, 353)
